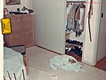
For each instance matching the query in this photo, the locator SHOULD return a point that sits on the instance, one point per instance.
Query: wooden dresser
(22, 30)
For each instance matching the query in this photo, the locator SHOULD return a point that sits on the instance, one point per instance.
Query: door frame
(1, 42)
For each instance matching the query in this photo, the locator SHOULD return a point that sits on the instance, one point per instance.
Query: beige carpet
(35, 74)
(39, 68)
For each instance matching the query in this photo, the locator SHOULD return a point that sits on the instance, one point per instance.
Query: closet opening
(75, 33)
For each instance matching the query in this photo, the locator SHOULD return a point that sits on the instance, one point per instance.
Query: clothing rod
(76, 1)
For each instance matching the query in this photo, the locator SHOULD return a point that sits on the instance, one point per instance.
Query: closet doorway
(75, 33)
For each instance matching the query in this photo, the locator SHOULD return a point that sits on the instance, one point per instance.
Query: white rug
(39, 60)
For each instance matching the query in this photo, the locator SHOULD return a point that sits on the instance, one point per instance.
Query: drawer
(29, 42)
(15, 41)
(16, 25)
(11, 37)
(27, 17)
(28, 34)
(15, 18)
(27, 29)
(14, 35)
(16, 32)
(28, 23)
(29, 39)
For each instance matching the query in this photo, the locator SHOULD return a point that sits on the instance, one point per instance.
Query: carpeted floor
(36, 74)
(39, 59)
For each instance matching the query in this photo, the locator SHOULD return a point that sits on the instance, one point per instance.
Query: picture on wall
(12, 2)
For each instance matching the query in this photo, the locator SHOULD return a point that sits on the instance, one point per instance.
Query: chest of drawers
(22, 30)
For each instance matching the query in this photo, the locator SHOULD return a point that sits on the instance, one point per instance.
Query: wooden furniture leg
(26, 63)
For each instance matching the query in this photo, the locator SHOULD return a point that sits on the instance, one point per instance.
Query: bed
(14, 68)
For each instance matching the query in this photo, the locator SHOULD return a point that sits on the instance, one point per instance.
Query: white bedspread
(13, 62)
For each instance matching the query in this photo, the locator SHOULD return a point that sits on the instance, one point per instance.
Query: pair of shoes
(68, 41)
(74, 42)
(77, 43)
(76, 50)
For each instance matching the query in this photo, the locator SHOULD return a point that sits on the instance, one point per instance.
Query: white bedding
(13, 62)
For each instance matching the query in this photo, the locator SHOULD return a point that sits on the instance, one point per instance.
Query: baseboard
(89, 63)
(48, 50)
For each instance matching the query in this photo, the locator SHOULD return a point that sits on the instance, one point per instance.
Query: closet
(75, 27)
(50, 28)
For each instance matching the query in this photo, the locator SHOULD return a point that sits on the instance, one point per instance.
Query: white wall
(102, 34)
(90, 48)
(26, 3)
(1, 42)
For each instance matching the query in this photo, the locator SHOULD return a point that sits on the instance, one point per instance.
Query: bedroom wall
(90, 47)
(101, 53)
(26, 3)
(1, 42)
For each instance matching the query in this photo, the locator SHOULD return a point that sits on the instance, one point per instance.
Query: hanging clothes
(79, 18)
(71, 17)
(75, 19)
(69, 6)
(68, 9)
